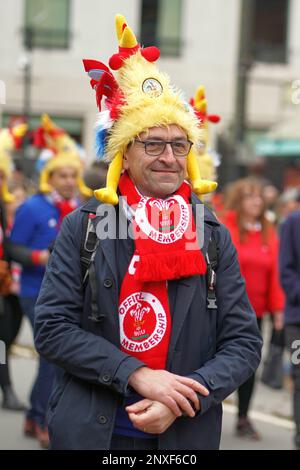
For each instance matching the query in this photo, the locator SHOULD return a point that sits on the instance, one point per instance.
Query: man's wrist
(133, 377)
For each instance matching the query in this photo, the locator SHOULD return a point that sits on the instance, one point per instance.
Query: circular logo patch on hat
(143, 322)
(152, 87)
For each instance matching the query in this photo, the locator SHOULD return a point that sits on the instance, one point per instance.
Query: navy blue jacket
(290, 266)
(219, 348)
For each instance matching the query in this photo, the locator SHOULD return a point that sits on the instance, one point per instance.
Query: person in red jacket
(257, 246)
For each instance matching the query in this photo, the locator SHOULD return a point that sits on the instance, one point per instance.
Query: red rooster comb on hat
(128, 45)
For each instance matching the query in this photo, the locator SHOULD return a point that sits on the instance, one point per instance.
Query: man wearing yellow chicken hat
(35, 228)
(58, 150)
(130, 309)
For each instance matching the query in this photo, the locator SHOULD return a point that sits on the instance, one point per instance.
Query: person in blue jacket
(290, 280)
(148, 344)
(35, 228)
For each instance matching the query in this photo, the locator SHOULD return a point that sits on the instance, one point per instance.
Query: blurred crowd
(264, 225)
(34, 205)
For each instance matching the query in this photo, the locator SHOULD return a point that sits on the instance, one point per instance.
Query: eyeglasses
(154, 148)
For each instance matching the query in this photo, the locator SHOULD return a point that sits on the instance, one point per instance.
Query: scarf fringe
(163, 266)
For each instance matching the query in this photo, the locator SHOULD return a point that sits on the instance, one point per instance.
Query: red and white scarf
(166, 248)
(64, 206)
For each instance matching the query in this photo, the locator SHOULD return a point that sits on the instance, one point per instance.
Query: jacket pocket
(57, 395)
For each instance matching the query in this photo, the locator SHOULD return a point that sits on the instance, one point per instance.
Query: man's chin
(165, 189)
(67, 196)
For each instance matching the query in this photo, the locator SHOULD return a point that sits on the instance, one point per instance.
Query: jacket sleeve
(58, 314)
(289, 276)
(19, 254)
(238, 340)
(21, 233)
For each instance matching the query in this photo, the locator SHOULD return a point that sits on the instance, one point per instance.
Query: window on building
(47, 24)
(161, 25)
(269, 38)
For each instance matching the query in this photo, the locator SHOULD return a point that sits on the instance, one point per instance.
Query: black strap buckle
(211, 288)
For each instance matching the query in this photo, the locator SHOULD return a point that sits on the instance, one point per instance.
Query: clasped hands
(167, 397)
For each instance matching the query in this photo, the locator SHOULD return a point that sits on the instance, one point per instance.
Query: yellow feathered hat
(10, 139)
(140, 98)
(60, 150)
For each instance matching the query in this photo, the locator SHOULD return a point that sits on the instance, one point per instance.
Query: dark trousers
(10, 322)
(245, 391)
(132, 443)
(292, 334)
(42, 386)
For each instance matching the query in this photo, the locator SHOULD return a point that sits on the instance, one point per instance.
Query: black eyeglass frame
(165, 142)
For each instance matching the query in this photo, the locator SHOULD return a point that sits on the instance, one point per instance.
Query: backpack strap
(212, 264)
(88, 245)
(87, 255)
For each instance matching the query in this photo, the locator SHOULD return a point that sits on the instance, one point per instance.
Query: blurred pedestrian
(10, 310)
(290, 280)
(19, 191)
(288, 201)
(35, 228)
(256, 242)
(95, 175)
(270, 196)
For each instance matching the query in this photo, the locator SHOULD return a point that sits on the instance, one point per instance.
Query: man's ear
(125, 161)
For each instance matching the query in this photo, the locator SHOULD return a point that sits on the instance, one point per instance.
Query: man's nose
(168, 155)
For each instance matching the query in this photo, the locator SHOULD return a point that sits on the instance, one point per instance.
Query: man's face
(156, 176)
(64, 181)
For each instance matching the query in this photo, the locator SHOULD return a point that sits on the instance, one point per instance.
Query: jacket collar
(91, 206)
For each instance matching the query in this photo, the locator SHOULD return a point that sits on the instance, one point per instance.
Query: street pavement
(271, 411)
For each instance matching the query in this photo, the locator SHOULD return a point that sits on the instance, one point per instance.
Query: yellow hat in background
(205, 157)
(60, 150)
